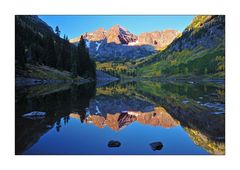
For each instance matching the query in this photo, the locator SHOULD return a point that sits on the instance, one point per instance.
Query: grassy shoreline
(40, 74)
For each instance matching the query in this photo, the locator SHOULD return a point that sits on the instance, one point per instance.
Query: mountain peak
(120, 35)
(117, 26)
(101, 29)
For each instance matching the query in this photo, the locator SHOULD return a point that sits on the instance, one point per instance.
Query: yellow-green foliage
(111, 90)
(203, 141)
(111, 66)
(154, 69)
(180, 63)
(221, 63)
(198, 21)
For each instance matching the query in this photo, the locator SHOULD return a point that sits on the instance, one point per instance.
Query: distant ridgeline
(37, 44)
(199, 51)
(119, 44)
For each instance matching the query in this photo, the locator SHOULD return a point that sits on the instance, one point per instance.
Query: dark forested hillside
(200, 51)
(37, 44)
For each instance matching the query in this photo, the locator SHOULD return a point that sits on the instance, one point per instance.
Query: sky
(74, 26)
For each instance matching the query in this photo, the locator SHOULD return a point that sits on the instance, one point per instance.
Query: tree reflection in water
(167, 104)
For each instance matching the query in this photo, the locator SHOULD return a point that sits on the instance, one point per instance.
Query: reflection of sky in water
(185, 118)
(79, 138)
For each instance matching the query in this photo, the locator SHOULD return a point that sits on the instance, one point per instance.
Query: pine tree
(83, 57)
(74, 63)
(51, 59)
(86, 67)
(57, 31)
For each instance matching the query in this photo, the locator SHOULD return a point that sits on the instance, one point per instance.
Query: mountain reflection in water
(119, 109)
(117, 121)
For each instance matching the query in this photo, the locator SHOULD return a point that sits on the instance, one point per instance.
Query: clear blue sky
(73, 26)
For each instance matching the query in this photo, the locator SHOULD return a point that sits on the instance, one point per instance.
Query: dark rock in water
(35, 115)
(156, 146)
(113, 143)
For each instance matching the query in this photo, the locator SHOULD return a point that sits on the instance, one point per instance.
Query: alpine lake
(121, 118)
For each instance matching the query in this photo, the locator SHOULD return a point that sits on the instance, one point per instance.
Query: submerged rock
(156, 146)
(113, 143)
(35, 115)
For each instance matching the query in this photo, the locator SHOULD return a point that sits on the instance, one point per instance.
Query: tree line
(37, 45)
(120, 73)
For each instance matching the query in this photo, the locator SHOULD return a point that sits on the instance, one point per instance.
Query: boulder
(113, 143)
(35, 115)
(156, 146)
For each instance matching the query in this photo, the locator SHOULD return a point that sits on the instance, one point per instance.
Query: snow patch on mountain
(98, 45)
(133, 43)
(87, 43)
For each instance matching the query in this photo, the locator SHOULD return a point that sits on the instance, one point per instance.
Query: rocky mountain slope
(119, 35)
(200, 50)
(159, 39)
(118, 43)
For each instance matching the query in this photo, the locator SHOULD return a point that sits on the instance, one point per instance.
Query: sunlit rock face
(119, 35)
(98, 35)
(117, 121)
(116, 34)
(159, 39)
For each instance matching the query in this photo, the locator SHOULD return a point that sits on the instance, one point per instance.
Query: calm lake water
(121, 118)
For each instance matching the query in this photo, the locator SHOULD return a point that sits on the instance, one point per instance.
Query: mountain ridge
(118, 43)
